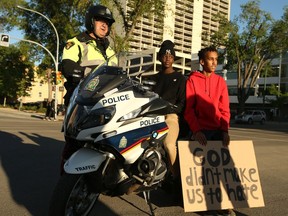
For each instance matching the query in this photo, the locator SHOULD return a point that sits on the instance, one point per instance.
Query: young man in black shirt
(170, 85)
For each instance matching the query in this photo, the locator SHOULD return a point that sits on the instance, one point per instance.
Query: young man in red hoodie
(207, 109)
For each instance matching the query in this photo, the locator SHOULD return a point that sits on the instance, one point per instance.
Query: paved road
(30, 154)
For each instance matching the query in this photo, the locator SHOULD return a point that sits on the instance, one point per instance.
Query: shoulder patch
(69, 45)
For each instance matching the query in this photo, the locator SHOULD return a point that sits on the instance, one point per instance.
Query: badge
(123, 142)
(92, 84)
(69, 45)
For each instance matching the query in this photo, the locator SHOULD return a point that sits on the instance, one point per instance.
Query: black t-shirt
(171, 87)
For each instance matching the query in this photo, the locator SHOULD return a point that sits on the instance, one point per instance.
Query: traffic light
(58, 78)
(53, 77)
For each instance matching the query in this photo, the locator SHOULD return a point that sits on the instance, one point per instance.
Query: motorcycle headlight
(97, 117)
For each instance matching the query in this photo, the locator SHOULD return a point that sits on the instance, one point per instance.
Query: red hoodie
(207, 102)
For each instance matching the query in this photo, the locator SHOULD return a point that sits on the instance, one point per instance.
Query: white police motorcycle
(122, 126)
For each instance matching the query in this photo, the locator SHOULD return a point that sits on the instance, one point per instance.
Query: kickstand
(148, 201)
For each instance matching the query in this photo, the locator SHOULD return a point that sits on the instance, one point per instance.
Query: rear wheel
(72, 197)
(262, 121)
(250, 121)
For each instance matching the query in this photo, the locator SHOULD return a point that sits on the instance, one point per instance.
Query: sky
(275, 7)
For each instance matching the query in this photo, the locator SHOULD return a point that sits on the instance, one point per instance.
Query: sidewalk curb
(28, 113)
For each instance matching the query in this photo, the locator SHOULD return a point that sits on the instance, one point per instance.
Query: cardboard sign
(215, 177)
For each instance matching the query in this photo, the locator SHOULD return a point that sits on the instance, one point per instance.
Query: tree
(66, 15)
(16, 73)
(279, 33)
(250, 44)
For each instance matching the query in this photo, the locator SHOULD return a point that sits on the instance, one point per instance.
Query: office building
(188, 23)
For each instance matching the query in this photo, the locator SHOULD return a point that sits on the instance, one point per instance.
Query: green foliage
(67, 17)
(16, 73)
(273, 90)
(9, 14)
(281, 98)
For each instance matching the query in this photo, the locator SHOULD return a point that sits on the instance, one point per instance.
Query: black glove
(72, 70)
(77, 75)
(172, 109)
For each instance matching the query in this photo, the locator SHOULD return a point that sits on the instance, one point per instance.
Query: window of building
(41, 83)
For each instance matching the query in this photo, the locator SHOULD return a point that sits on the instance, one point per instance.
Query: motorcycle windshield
(100, 81)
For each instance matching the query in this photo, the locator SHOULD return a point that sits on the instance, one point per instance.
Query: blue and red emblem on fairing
(134, 137)
(131, 146)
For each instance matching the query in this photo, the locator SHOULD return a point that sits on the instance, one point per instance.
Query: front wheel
(72, 197)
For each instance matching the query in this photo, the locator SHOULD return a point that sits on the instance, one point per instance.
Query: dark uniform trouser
(69, 91)
(71, 146)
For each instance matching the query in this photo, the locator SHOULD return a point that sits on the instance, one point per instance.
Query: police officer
(82, 54)
(89, 49)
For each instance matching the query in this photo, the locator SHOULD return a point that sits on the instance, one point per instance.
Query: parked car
(251, 116)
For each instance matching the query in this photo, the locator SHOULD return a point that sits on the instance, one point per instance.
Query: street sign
(4, 40)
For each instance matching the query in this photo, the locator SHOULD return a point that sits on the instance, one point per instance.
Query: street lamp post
(279, 73)
(57, 51)
(265, 86)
